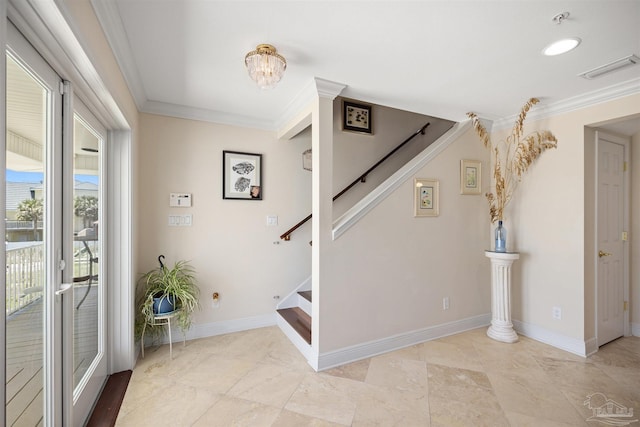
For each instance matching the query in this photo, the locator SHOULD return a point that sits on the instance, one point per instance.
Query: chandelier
(265, 66)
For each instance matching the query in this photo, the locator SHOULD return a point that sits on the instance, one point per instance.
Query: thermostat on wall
(180, 200)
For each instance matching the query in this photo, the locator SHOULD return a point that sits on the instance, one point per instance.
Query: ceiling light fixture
(561, 46)
(265, 66)
(610, 67)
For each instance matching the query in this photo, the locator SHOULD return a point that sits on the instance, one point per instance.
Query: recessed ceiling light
(561, 46)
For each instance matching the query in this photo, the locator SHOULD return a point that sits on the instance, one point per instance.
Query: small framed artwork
(426, 197)
(241, 176)
(356, 117)
(470, 177)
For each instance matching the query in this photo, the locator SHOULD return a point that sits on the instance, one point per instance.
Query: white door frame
(45, 25)
(625, 142)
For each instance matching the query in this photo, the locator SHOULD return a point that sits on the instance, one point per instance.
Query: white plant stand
(501, 328)
(159, 320)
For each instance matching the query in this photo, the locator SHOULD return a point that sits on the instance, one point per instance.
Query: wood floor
(24, 354)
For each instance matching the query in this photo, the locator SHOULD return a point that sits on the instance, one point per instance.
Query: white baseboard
(205, 330)
(572, 345)
(635, 329)
(372, 348)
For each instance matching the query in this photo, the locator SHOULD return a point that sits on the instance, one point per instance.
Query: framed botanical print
(241, 176)
(470, 177)
(426, 197)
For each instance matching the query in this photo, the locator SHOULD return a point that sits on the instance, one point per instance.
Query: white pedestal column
(501, 328)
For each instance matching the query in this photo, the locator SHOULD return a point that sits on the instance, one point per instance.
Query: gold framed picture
(470, 177)
(426, 197)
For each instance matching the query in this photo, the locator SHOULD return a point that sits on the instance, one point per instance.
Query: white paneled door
(610, 243)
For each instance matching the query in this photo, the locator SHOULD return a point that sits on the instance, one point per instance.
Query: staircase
(295, 311)
(299, 317)
(294, 317)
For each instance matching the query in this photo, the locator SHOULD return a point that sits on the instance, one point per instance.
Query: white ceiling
(439, 58)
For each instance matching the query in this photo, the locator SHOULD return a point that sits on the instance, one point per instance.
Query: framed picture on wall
(241, 176)
(470, 177)
(426, 197)
(356, 117)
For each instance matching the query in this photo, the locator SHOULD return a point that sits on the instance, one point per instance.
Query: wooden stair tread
(299, 320)
(306, 295)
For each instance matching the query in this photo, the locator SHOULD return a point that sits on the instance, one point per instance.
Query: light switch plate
(272, 220)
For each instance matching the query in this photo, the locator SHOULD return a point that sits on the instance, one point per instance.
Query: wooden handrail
(362, 178)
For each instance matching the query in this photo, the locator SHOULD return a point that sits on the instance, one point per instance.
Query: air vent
(610, 67)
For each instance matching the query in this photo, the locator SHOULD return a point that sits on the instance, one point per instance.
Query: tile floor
(257, 378)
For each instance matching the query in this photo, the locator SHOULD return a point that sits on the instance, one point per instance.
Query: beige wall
(232, 249)
(354, 153)
(635, 234)
(390, 272)
(549, 221)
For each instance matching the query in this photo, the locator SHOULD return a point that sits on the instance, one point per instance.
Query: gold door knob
(601, 254)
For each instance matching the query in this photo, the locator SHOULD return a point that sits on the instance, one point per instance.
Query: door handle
(601, 254)
(64, 288)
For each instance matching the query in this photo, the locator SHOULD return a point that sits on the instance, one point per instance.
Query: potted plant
(164, 290)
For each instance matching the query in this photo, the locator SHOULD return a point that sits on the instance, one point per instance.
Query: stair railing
(362, 178)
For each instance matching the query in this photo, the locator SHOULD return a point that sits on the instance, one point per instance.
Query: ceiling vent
(610, 67)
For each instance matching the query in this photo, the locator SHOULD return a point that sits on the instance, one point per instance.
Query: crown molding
(328, 89)
(113, 28)
(620, 90)
(202, 114)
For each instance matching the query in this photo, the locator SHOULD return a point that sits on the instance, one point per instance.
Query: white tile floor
(257, 378)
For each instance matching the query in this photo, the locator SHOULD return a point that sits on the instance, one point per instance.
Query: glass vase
(501, 238)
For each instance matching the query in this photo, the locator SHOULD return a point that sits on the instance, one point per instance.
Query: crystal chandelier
(265, 66)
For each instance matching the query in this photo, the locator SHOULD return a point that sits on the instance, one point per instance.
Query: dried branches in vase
(512, 158)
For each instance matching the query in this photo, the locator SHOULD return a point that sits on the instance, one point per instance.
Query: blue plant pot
(164, 304)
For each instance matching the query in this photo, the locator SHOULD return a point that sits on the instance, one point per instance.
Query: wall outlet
(445, 303)
(556, 312)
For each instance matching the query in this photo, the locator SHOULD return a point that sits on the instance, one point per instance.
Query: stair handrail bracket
(286, 236)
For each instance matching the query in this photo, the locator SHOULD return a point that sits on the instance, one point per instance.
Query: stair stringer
(371, 200)
(291, 300)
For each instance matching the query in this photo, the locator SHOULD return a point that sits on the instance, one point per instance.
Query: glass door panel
(27, 254)
(89, 361)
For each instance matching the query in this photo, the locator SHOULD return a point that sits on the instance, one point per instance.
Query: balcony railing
(25, 271)
(24, 275)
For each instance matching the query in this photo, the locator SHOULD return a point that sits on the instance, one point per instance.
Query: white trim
(591, 346)
(372, 348)
(635, 329)
(371, 200)
(212, 329)
(120, 257)
(572, 345)
(620, 90)
(295, 338)
(291, 300)
(107, 12)
(192, 113)
(3, 188)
